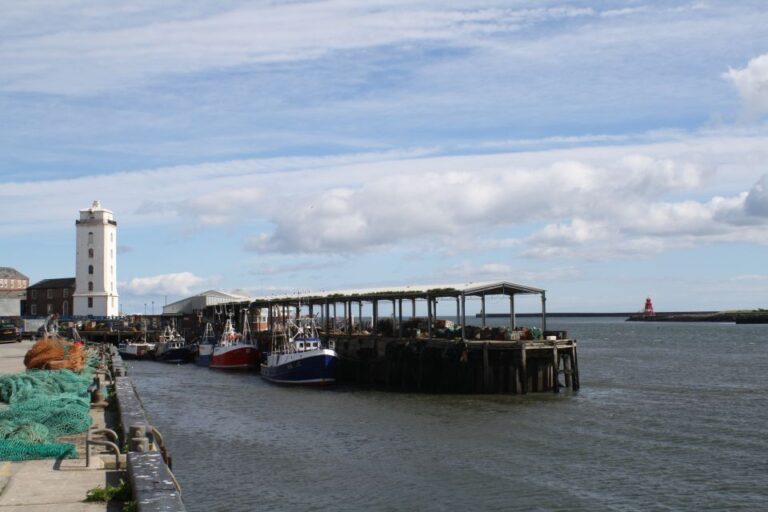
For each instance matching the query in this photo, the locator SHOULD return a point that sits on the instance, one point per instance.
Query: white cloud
(752, 84)
(756, 202)
(611, 200)
(88, 58)
(178, 283)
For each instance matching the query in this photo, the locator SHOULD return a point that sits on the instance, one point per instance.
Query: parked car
(9, 333)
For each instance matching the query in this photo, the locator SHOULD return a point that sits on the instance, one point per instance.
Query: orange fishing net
(55, 354)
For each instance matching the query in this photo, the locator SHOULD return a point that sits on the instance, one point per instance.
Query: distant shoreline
(739, 317)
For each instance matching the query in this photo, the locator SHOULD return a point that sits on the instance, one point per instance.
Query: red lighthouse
(648, 310)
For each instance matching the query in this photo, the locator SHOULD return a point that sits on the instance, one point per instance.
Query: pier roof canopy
(409, 292)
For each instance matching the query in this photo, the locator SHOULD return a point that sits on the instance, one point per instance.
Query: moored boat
(205, 346)
(235, 351)
(172, 347)
(137, 348)
(299, 356)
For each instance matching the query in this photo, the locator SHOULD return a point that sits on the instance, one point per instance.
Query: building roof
(61, 282)
(211, 293)
(11, 273)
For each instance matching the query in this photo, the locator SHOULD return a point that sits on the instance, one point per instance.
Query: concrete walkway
(45, 485)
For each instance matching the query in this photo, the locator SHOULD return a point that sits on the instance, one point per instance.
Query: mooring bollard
(138, 438)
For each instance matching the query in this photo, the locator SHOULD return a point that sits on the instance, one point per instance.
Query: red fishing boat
(236, 351)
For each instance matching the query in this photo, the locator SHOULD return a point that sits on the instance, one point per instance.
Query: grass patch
(119, 492)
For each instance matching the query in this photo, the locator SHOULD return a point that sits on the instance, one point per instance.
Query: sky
(604, 151)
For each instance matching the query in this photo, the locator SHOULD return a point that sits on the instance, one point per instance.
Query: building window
(33, 309)
(48, 308)
(66, 292)
(112, 270)
(65, 308)
(90, 302)
(49, 294)
(90, 286)
(90, 238)
(34, 295)
(90, 252)
(90, 269)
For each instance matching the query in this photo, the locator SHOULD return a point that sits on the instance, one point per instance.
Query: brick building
(50, 296)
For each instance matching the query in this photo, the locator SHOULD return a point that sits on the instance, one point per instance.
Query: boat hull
(176, 355)
(316, 367)
(235, 357)
(204, 353)
(136, 352)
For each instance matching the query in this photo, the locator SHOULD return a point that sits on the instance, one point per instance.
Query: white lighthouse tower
(96, 274)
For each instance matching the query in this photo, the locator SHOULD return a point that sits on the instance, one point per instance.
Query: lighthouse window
(90, 253)
(90, 237)
(90, 269)
(90, 286)
(90, 302)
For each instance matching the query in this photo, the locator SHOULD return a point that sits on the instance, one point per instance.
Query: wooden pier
(440, 366)
(393, 352)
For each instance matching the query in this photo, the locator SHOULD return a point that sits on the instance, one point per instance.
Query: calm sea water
(669, 417)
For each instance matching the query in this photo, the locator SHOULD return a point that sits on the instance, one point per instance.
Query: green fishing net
(44, 405)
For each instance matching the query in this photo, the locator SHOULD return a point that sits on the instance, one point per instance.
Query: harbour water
(669, 417)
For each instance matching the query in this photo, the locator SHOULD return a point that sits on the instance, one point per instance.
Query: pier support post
(482, 308)
(486, 369)
(512, 319)
(413, 308)
(568, 367)
(523, 370)
(394, 317)
(429, 316)
(463, 316)
(543, 312)
(375, 307)
(327, 318)
(575, 367)
(400, 318)
(555, 370)
(360, 314)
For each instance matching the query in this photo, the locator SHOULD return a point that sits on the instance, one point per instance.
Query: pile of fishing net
(55, 354)
(44, 405)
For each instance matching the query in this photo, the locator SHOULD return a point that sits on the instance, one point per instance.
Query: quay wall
(154, 487)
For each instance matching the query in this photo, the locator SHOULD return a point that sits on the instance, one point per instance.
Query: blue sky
(604, 151)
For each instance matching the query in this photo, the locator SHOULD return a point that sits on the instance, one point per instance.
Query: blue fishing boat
(205, 346)
(299, 356)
